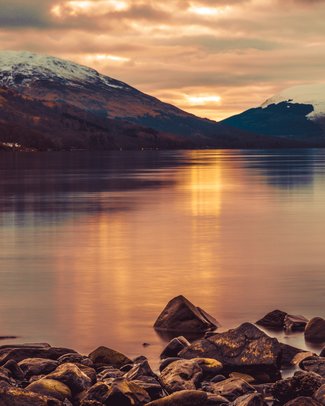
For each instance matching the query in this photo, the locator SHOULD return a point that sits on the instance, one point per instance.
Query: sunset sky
(213, 58)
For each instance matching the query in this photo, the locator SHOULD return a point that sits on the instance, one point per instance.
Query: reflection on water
(93, 245)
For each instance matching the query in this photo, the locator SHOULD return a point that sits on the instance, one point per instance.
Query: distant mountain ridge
(297, 113)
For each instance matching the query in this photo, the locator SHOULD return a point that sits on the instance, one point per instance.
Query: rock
(322, 353)
(301, 384)
(182, 398)
(37, 366)
(182, 316)
(76, 358)
(230, 388)
(273, 320)
(140, 371)
(314, 364)
(181, 375)
(301, 356)
(295, 323)
(20, 397)
(216, 400)
(210, 367)
(15, 370)
(302, 401)
(107, 356)
(244, 349)
(50, 387)
(97, 393)
(254, 399)
(245, 377)
(72, 376)
(109, 373)
(218, 378)
(152, 387)
(288, 353)
(18, 353)
(315, 330)
(167, 361)
(126, 393)
(90, 372)
(174, 347)
(319, 396)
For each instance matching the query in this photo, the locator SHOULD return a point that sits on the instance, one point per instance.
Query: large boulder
(182, 398)
(315, 330)
(21, 397)
(72, 376)
(20, 352)
(300, 385)
(181, 375)
(182, 316)
(37, 366)
(50, 387)
(295, 323)
(244, 349)
(106, 356)
(230, 388)
(314, 364)
(273, 320)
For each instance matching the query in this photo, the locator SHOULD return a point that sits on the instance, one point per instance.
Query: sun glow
(207, 11)
(107, 57)
(202, 100)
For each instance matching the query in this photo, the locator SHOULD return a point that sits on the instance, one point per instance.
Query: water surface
(93, 245)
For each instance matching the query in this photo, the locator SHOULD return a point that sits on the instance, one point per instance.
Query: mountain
(50, 103)
(296, 114)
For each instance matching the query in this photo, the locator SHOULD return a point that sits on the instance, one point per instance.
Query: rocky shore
(239, 367)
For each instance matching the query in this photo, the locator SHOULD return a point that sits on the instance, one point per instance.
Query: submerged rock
(106, 356)
(273, 320)
(244, 349)
(295, 323)
(315, 330)
(182, 316)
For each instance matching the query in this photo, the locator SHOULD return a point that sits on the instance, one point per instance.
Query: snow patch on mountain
(18, 67)
(305, 94)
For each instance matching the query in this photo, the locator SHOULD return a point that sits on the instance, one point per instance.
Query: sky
(213, 58)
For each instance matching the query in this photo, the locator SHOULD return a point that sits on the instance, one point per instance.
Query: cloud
(239, 50)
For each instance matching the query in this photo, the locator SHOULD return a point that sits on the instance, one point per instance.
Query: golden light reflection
(208, 11)
(87, 7)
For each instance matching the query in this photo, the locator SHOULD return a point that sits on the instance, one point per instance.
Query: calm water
(93, 245)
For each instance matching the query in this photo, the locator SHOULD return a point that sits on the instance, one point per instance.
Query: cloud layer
(210, 57)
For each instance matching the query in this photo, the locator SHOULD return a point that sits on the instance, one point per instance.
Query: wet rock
(295, 323)
(107, 356)
(288, 354)
(97, 393)
(37, 366)
(174, 347)
(254, 399)
(15, 370)
(314, 364)
(20, 397)
(152, 387)
(244, 349)
(75, 358)
(18, 353)
(319, 396)
(140, 371)
(218, 378)
(216, 400)
(5, 375)
(315, 330)
(230, 388)
(322, 353)
(181, 375)
(126, 393)
(301, 384)
(89, 371)
(273, 320)
(302, 401)
(245, 377)
(182, 398)
(168, 361)
(50, 387)
(109, 373)
(181, 315)
(301, 356)
(72, 376)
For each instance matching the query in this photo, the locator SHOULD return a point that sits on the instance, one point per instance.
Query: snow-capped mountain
(296, 113)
